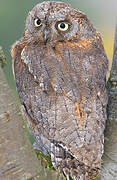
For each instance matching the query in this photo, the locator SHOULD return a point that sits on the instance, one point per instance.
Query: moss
(45, 159)
(71, 178)
(3, 61)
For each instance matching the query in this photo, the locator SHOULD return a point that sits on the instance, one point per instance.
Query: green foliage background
(102, 14)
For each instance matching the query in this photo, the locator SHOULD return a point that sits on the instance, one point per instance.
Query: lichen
(3, 61)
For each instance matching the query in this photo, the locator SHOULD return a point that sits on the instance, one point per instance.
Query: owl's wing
(33, 86)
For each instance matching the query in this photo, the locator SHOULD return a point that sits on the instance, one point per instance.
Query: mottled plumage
(60, 69)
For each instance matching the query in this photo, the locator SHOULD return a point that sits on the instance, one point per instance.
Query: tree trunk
(109, 169)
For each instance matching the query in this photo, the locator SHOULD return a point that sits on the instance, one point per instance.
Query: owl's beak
(46, 34)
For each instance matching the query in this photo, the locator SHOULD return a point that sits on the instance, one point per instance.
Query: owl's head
(56, 21)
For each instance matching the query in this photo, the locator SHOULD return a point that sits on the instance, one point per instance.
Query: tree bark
(109, 168)
(18, 161)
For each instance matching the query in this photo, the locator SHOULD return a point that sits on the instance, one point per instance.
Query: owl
(60, 69)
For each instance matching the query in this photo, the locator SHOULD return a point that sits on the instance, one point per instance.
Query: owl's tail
(74, 168)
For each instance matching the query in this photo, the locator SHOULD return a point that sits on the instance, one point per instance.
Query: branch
(17, 159)
(109, 169)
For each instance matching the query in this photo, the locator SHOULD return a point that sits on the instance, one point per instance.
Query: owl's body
(60, 77)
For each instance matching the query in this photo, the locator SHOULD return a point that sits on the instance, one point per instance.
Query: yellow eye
(63, 26)
(37, 22)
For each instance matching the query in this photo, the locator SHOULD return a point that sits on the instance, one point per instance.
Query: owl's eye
(37, 22)
(63, 26)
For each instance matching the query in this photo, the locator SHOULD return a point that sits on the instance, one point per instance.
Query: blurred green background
(102, 14)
